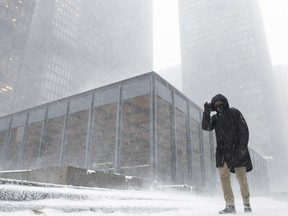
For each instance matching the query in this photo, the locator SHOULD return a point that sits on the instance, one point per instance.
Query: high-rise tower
(224, 50)
(15, 22)
(72, 46)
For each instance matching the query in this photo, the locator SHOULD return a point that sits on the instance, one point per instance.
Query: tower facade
(73, 46)
(15, 22)
(224, 50)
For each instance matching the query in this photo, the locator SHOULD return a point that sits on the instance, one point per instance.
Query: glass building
(224, 50)
(57, 48)
(141, 126)
(15, 22)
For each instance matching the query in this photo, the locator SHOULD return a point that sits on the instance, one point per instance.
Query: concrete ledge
(79, 177)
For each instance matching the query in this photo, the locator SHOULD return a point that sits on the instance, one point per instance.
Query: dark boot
(229, 209)
(247, 208)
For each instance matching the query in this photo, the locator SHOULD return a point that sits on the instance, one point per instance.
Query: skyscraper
(15, 21)
(72, 46)
(224, 50)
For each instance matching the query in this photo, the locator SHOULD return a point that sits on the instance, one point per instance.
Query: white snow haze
(72, 201)
(58, 200)
(275, 19)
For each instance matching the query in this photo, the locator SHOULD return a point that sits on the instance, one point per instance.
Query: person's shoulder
(234, 110)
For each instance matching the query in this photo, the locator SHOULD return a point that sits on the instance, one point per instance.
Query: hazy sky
(166, 34)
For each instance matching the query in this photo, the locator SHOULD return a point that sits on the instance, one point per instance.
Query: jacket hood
(219, 97)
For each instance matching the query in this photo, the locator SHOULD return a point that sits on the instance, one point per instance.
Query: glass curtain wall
(103, 138)
(4, 133)
(164, 142)
(164, 131)
(196, 162)
(75, 140)
(51, 146)
(141, 127)
(31, 145)
(103, 130)
(207, 157)
(14, 141)
(135, 131)
(181, 120)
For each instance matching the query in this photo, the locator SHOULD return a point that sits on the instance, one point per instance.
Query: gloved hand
(207, 107)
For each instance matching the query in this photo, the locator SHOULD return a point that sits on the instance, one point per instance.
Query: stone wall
(79, 177)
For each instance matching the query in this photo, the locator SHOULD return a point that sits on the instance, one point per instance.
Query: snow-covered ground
(76, 201)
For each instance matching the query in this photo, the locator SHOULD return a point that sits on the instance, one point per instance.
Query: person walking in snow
(232, 153)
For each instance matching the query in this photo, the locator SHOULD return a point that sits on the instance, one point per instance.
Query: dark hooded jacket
(232, 135)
